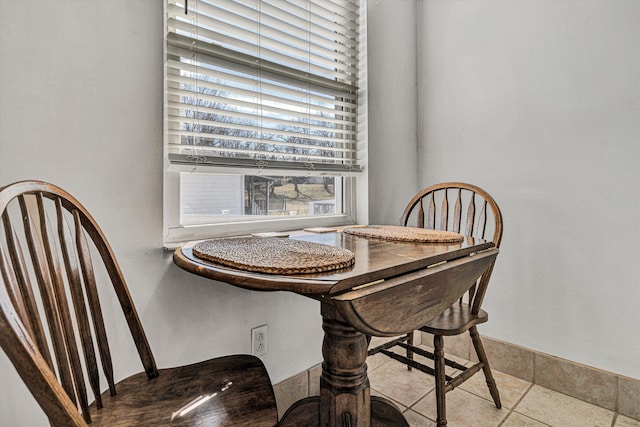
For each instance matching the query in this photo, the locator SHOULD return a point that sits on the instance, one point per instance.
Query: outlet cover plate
(259, 340)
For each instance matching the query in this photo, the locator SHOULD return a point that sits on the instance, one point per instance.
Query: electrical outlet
(259, 340)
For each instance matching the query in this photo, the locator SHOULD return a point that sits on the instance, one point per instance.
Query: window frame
(354, 184)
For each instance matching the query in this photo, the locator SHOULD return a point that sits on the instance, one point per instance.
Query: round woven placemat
(274, 255)
(405, 234)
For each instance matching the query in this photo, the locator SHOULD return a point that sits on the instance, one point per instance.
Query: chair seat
(455, 320)
(226, 391)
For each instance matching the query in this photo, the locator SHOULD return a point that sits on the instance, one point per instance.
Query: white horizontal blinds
(270, 82)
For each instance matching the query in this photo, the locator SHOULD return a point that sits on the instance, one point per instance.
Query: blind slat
(267, 155)
(309, 145)
(299, 131)
(238, 116)
(208, 52)
(290, 16)
(260, 111)
(218, 82)
(257, 24)
(286, 49)
(304, 103)
(202, 159)
(306, 16)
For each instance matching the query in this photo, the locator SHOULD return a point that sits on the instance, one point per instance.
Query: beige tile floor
(523, 404)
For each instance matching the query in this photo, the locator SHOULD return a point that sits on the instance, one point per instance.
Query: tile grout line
(515, 405)
(534, 363)
(617, 406)
(408, 407)
(418, 400)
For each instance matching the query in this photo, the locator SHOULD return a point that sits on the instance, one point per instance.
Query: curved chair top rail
(475, 218)
(45, 258)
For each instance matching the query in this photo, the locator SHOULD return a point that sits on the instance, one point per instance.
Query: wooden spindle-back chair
(471, 211)
(53, 260)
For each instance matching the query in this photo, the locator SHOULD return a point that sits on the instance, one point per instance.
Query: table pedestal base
(306, 413)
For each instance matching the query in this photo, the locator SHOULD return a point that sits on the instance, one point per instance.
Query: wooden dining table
(391, 289)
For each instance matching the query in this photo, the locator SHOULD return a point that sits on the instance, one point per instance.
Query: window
(263, 111)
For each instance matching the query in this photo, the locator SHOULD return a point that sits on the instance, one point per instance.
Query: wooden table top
(374, 260)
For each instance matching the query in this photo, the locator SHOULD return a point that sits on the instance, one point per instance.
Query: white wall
(539, 103)
(393, 162)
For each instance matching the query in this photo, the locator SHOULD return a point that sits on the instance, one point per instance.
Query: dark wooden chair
(52, 256)
(471, 211)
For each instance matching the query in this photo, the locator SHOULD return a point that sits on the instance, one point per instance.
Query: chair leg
(438, 351)
(409, 351)
(482, 356)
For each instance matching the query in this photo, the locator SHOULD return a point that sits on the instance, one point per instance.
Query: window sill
(291, 233)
